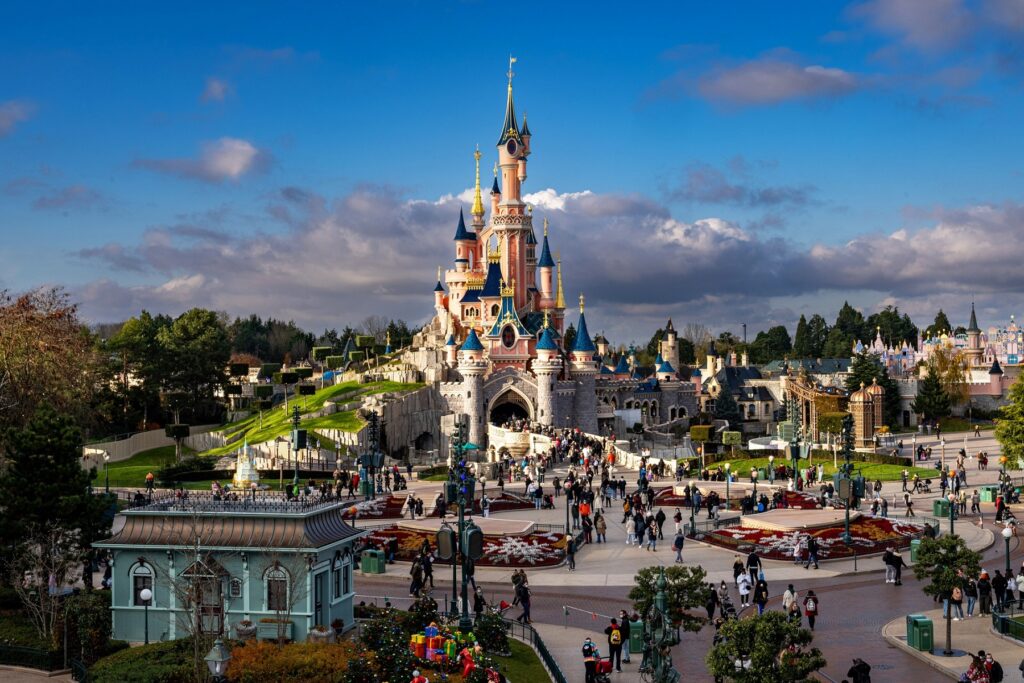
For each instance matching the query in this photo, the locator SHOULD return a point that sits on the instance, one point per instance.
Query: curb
(901, 644)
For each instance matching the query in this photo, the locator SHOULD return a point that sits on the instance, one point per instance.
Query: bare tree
(699, 335)
(375, 326)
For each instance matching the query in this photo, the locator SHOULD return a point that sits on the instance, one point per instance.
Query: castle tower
(973, 351)
(465, 242)
(559, 312)
(439, 294)
(584, 371)
(451, 351)
(546, 268)
(995, 379)
(669, 345)
(546, 367)
(877, 393)
(472, 366)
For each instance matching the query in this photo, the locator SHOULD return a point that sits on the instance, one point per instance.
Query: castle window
(142, 578)
(494, 310)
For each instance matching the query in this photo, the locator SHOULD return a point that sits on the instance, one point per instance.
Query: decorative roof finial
(545, 227)
(478, 204)
(547, 319)
(581, 303)
(439, 273)
(560, 296)
(495, 169)
(511, 60)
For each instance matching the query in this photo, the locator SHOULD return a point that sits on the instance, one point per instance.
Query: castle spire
(560, 296)
(973, 327)
(478, 204)
(510, 129)
(545, 260)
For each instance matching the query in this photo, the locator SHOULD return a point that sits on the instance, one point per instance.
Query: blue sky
(719, 162)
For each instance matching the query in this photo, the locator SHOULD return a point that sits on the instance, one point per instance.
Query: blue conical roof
(665, 366)
(460, 232)
(531, 238)
(547, 341)
(451, 340)
(659, 360)
(545, 256)
(583, 342)
(623, 367)
(472, 342)
(438, 287)
(492, 285)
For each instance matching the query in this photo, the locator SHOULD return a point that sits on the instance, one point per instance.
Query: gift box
(434, 643)
(438, 657)
(430, 631)
(451, 648)
(420, 651)
(419, 639)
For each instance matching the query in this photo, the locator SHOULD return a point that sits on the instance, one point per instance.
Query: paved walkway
(13, 674)
(968, 636)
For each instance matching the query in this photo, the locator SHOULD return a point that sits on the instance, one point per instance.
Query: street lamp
(771, 469)
(952, 512)
(146, 596)
(727, 467)
(693, 508)
(1007, 534)
(753, 476)
(217, 660)
(106, 472)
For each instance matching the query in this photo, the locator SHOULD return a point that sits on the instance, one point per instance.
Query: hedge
(321, 352)
(239, 369)
(357, 356)
(335, 362)
(306, 389)
(364, 341)
(167, 662)
(267, 370)
(700, 433)
(263, 390)
(176, 431)
(303, 373)
(831, 423)
(257, 661)
(286, 377)
(233, 389)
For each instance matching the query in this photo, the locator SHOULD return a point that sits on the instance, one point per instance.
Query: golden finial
(547, 319)
(495, 169)
(388, 338)
(545, 227)
(510, 290)
(439, 273)
(581, 303)
(511, 60)
(560, 296)
(478, 204)
(529, 209)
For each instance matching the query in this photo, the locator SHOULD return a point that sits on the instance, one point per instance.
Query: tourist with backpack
(614, 634)
(811, 608)
(677, 544)
(590, 655)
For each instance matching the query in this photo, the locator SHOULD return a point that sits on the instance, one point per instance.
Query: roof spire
(560, 296)
(974, 321)
(545, 227)
(510, 129)
(581, 302)
(478, 204)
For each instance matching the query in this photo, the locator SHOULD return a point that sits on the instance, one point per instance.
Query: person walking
(711, 603)
(570, 553)
(811, 608)
(614, 634)
(600, 527)
(523, 596)
(761, 594)
(860, 672)
(723, 597)
(984, 594)
(652, 536)
(743, 585)
(788, 598)
(678, 519)
(753, 566)
(590, 655)
(971, 593)
(677, 544)
(898, 565)
(812, 552)
(624, 626)
(909, 503)
(999, 584)
(660, 519)
(631, 531)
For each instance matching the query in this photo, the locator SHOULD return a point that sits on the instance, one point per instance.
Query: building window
(346, 579)
(276, 580)
(336, 576)
(142, 577)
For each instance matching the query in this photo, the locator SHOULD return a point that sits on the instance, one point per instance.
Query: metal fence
(31, 658)
(529, 635)
(1008, 620)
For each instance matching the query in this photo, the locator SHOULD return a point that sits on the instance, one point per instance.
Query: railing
(529, 635)
(249, 501)
(1008, 620)
(31, 658)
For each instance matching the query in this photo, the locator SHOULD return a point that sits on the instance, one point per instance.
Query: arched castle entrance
(509, 404)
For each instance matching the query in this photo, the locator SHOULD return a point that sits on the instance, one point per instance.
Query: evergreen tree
(865, 369)
(895, 329)
(1010, 427)
(802, 340)
(197, 350)
(726, 408)
(653, 347)
(687, 352)
(763, 640)
(686, 589)
(941, 324)
(931, 401)
(569, 338)
(817, 336)
(849, 327)
(838, 344)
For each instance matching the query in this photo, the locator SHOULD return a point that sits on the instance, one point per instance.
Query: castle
(499, 324)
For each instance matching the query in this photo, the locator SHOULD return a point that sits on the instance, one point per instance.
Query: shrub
(831, 423)
(259, 661)
(422, 613)
(304, 373)
(263, 390)
(335, 362)
(365, 341)
(492, 633)
(268, 370)
(88, 625)
(233, 389)
(169, 662)
(700, 433)
(357, 356)
(321, 352)
(238, 369)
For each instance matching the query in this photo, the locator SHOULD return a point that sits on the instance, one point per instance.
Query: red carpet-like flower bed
(504, 502)
(800, 500)
(389, 507)
(869, 535)
(531, 550)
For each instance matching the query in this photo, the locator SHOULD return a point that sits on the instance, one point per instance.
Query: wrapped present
(451, 648)
(419, 638)
(438, 657)
(420, 651)
(430, 631)
(434, 643)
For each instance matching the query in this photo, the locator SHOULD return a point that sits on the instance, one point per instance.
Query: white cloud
(218, 161)
(216, 90)
(769, 81)
(13, 112)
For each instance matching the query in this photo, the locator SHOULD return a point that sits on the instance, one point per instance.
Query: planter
(274, 630)
(318, 636)
(245, 631)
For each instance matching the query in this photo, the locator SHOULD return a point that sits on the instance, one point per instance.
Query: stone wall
(411, 416)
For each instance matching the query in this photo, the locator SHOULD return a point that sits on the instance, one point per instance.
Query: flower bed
(505, 502)
(869, 535)
(529, 550)
(378, 508)
(801, 500)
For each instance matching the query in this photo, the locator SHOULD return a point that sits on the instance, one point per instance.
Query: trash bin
(636, 637)
(373, 562)
(940, 508)
(989, 493)
(915, 547)
(925, 635)
(912, 629)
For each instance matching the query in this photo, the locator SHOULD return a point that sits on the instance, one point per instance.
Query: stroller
(603, 670)
(547, 502)
(926, 486)
(728, 609)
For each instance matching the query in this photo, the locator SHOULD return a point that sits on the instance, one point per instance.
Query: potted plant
(320, 634)
(339, 626)
(245, 629)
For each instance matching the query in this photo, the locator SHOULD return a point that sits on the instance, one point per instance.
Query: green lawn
(523, 665)
(277, 421)
(960, 424)
(131, 473)
(871, 471)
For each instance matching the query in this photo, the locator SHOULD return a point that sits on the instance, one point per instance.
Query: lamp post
(217, 660)
(952, 512)
(146, 595)
(942, 453)
(847, 467)
(106, 472)
(693, 508)
(1007, 534)
(753, 475)
(295, 443)
(727, 467)
(771, 469)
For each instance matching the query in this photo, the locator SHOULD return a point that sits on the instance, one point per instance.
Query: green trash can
(636, 637)
(925, 635)
(940, 508)
(989, 493)
(913, 631)
(373, 562)
(915, 547)
(382, 562)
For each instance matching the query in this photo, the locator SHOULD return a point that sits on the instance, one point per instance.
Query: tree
(817, 336)
(940, 561)
(698, 334)
(866, 369)
(687, 351)
(139, 366)
(46, 357)
(726, 408)
(838, 344)
(653, 347)
(1010, 426)
(768, 647)
(931, 401)
(895, 329)
(686, 589)
(941, 324)
(771, 345)
(951, 367)
(802, 340)
(849, 327)
(569, 338)
(198, 351)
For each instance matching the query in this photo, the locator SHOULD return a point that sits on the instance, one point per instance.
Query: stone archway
(509, 404)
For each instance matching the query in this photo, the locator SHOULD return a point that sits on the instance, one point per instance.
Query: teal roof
(460, 232)
(545, 260)
(472, 342)
(666, 367)
(492, 285)
(583, 342)
(451, 340)
(507, 316)
(658, 361)
(547, 341)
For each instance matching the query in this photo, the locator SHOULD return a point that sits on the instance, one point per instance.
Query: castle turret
(584, 370)
(669, 345)
(472, 367)
(451, 350)
(995, 379)
(546, 271)
(465, 241)
(862, 409)
(439, 293)
(973, 351)
(546, 367)
(877, 393)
